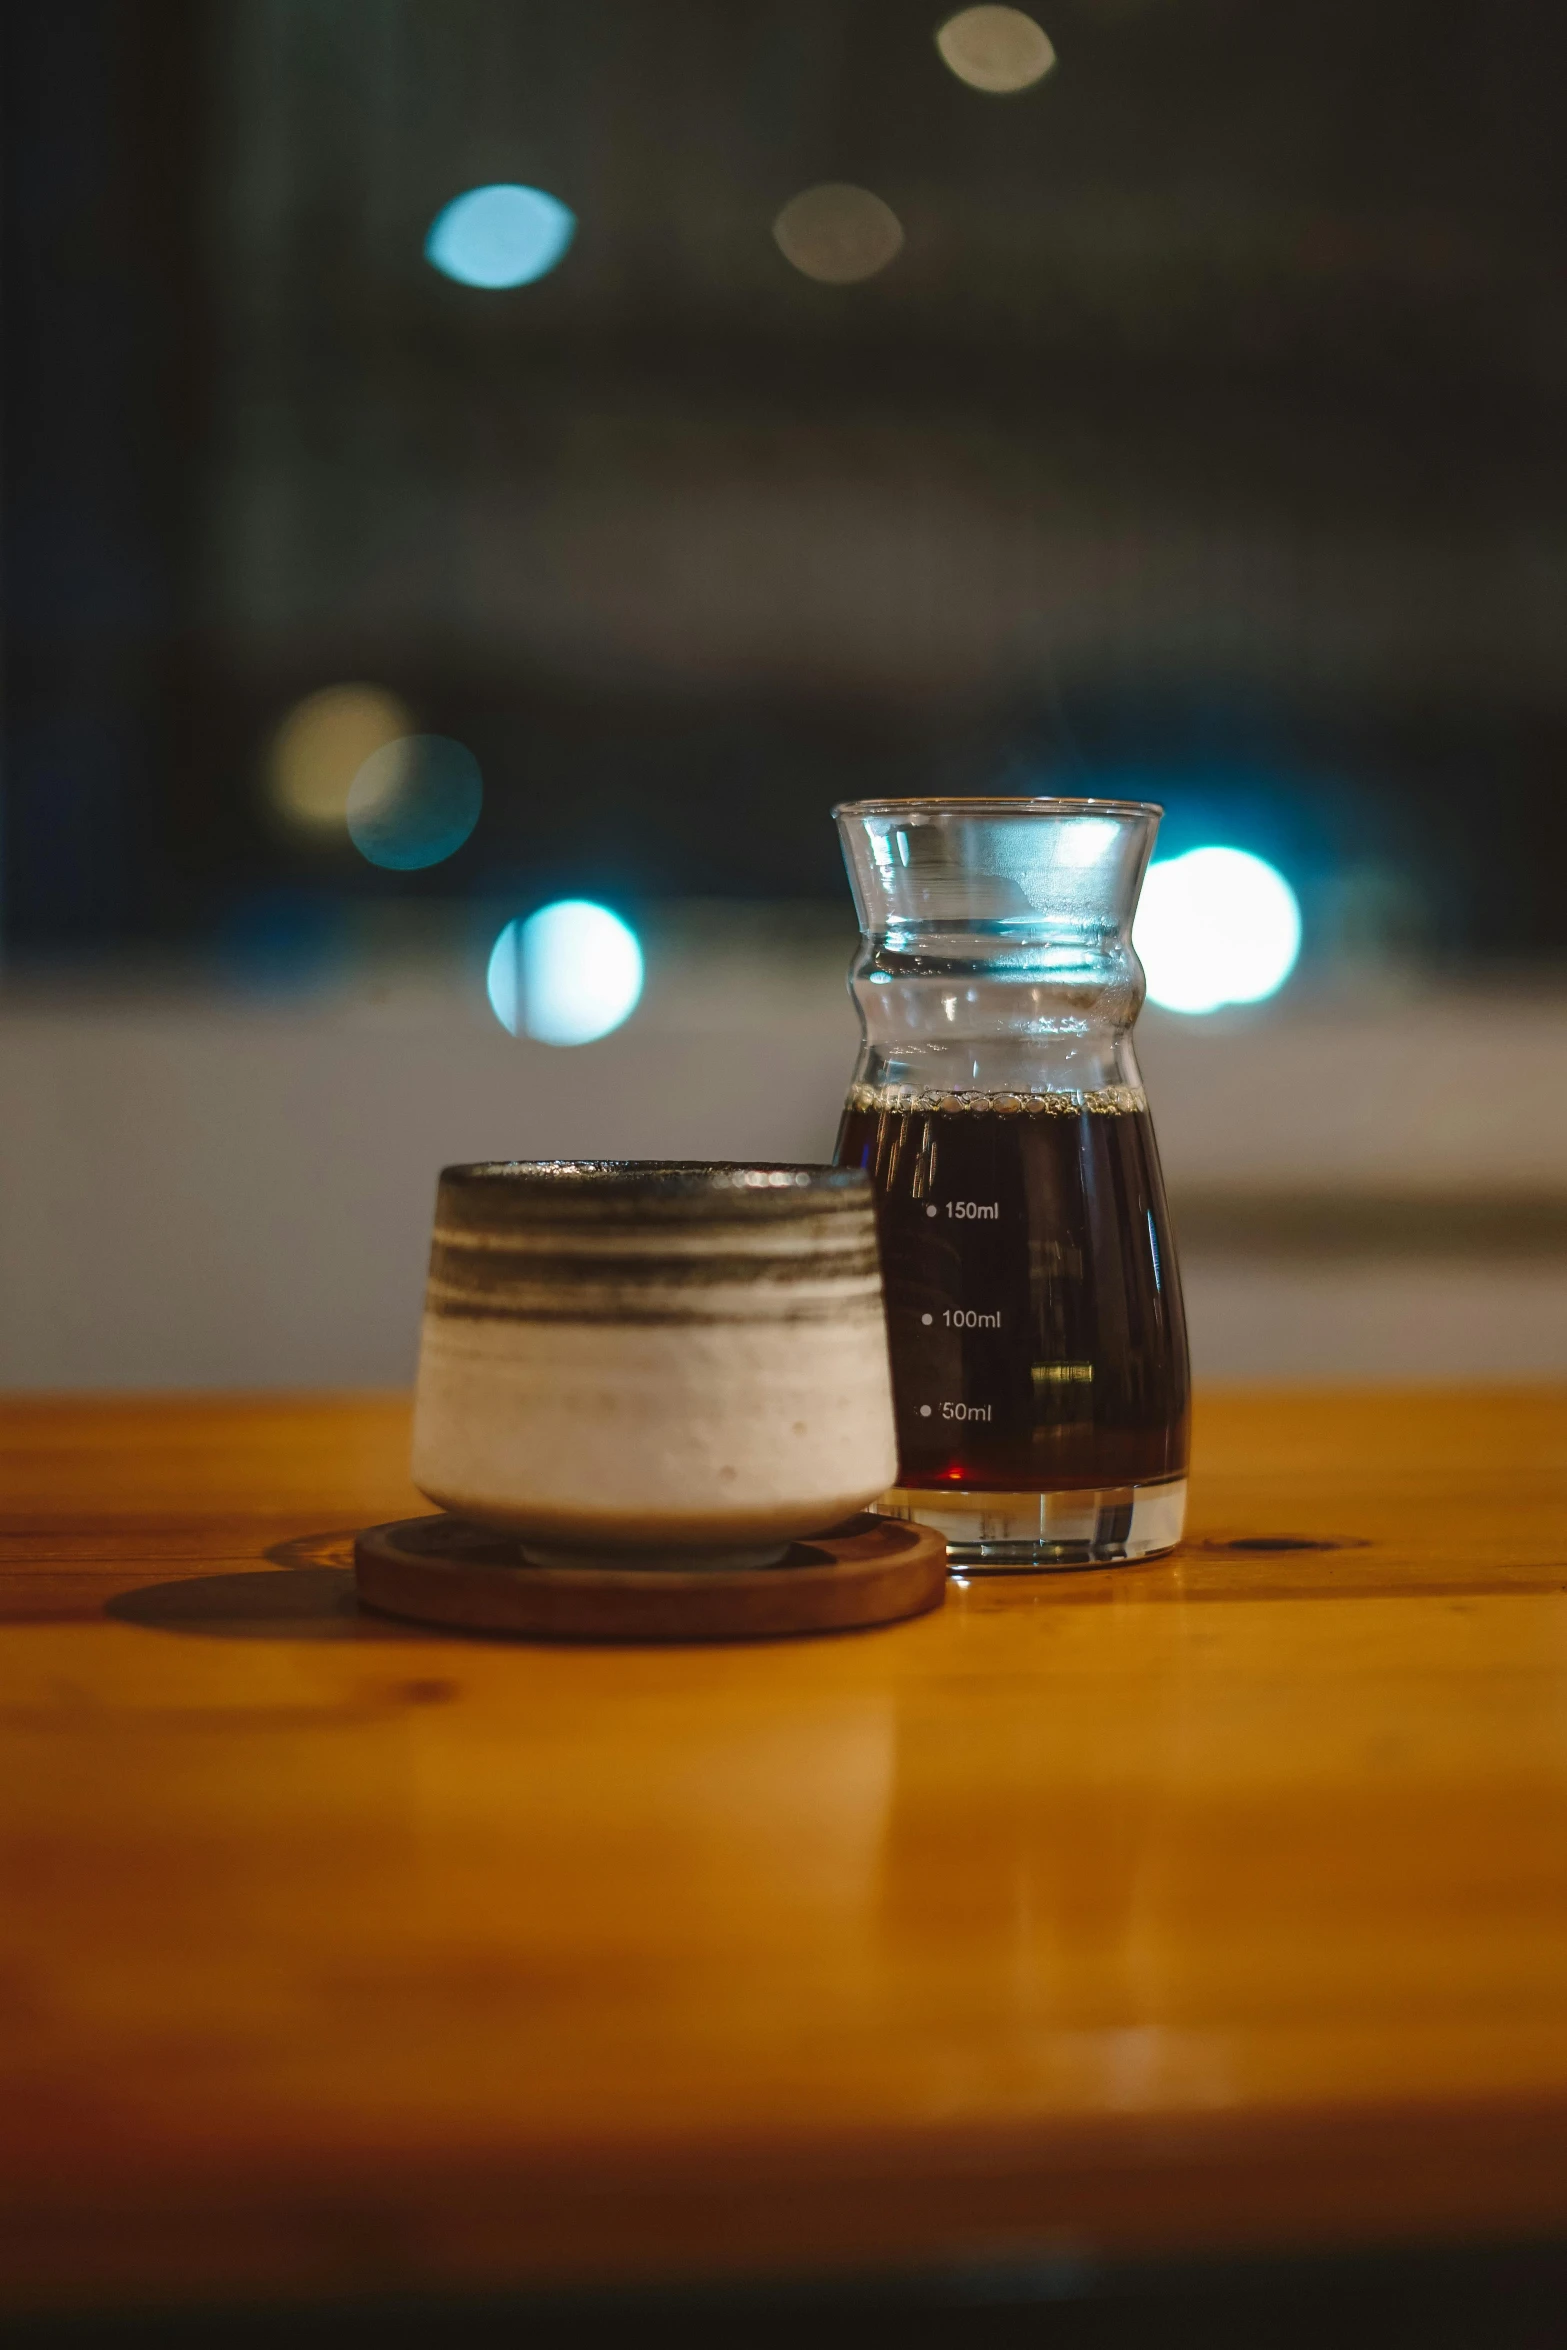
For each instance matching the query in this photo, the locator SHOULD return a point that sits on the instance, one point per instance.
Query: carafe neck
(996, 952)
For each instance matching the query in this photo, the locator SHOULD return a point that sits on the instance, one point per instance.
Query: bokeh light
(1217, 926)
(321, 746)
(838, 234)
(414, 801)
(569, 973)
(500, 236)
(999, 50)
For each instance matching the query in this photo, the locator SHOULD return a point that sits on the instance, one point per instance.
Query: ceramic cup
(645, 1361)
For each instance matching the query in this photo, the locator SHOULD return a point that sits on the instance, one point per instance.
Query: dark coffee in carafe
(1036, 1333)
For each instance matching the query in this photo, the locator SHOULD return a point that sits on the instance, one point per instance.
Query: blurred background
(482, 477)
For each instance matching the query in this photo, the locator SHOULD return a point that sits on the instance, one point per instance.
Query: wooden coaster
(446, 1570)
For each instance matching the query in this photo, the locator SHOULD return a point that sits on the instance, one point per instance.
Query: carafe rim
(989, 805)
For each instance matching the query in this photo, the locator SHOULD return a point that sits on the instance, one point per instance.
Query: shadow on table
(1443, 2298)
(307, 1594)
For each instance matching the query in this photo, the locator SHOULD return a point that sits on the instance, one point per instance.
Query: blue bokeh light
(1217, 926)
(500, 236)
(570, 973)
(414, 801)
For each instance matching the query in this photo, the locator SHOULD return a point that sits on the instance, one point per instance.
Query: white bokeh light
(1217, 926)
(999, 50)
(569, 973)
(838, 234)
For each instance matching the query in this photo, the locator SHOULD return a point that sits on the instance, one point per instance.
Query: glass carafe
(1034, 1308)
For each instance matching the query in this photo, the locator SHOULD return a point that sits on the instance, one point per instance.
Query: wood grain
(1216, 1902)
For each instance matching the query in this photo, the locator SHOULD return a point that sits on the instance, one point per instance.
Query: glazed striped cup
(642, 1360)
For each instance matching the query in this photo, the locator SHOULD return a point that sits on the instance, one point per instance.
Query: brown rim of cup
(720, 1189)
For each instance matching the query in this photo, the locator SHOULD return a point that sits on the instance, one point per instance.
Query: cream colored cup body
(617, 1359)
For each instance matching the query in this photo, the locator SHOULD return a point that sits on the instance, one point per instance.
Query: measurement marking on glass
(968, 1211)
(964, 1411)
(965, 1318)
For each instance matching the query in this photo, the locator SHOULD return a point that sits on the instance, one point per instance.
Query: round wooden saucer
(446, 1570)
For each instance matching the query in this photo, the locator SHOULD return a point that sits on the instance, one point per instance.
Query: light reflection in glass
(1085, 840)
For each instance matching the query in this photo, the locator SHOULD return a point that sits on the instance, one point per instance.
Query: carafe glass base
(1085, 1527)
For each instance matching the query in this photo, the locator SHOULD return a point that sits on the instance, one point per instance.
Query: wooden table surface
(1215, 1903)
